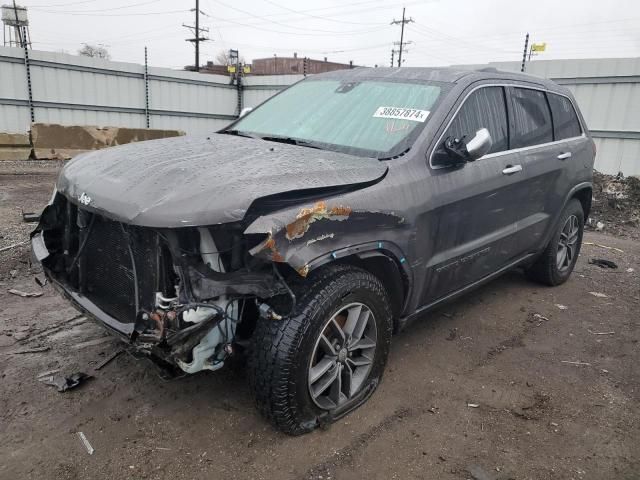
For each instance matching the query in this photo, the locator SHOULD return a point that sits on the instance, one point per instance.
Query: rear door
(544, 129)
(473, 222)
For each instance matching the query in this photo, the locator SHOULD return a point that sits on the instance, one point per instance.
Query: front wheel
(555, 264)
(328, 357)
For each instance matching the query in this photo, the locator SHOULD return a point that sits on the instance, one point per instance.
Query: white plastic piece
(203, 353)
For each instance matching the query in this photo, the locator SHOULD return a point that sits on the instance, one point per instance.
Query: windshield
(368, 118)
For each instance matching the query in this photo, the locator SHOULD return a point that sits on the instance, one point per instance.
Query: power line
(342, 13)
(104, 9)
(402, 43)
(255, 26)
(285, 25)
(319, 17)
(196, 37)
(110, 14)
(64, 4)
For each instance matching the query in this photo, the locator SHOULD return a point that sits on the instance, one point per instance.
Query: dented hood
(190, 181)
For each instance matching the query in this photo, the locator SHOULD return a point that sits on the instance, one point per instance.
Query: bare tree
(95, 51)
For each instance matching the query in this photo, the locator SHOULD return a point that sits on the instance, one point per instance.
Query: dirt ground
(514, 381)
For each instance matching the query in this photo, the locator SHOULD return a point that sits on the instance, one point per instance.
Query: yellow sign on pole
(538, 47)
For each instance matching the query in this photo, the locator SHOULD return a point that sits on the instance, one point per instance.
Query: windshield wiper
(291, 140)
(240, 133)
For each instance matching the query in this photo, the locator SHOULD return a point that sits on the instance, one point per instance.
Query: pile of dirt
(616, 205)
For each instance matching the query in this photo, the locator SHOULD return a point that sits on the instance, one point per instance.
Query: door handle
(564, 156)
(511, 169)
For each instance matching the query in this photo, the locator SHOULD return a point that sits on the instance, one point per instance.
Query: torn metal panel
(300, 235)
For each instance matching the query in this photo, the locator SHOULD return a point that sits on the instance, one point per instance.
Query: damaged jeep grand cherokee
(309, 230)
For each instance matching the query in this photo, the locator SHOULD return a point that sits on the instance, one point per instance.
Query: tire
(286, 355)
(546, 269)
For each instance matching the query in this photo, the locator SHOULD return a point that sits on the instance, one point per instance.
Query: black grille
(108, 278)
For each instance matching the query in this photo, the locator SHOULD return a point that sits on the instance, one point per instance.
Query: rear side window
(484, 108)
(531, 117)
(565, 119)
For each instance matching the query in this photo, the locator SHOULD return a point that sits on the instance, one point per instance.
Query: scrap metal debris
(20, 293)
(537, 318)
(603, 246)
(48, 373)
(66, 383)
(86, 443)
(575, 363)
(30, 217)
(599, 295)
(602, 263)
(601, 333)
(107, 360)
(562, 307)
(4, 249)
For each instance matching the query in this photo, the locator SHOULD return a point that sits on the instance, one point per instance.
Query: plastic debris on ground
(603, 263)
(86, 443)
(63, 383)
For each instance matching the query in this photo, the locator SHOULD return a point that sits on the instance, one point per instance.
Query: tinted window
(532, 118)
(565, 120)
(484, 108)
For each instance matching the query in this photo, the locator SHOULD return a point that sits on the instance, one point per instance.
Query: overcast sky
(443, 32)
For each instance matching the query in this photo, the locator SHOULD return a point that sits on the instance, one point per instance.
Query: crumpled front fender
(300, 236)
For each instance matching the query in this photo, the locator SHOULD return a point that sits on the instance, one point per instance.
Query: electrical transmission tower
(197, 38)
(401, 43)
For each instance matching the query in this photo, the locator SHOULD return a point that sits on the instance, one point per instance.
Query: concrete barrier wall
(59, 142)
(14, 146)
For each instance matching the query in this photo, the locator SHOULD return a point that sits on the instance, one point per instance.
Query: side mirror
(245, 111)
(479, 145)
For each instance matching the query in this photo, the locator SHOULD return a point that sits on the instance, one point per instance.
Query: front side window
(484, 108)
(531, 117)
(565, 119)
(369, 118)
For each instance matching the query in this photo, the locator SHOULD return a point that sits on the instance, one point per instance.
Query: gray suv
(308, 231)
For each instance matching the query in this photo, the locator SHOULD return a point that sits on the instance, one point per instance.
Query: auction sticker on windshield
(398, 113)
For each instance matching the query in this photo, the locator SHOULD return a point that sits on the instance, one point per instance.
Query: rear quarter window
(565, 119)
(531, 118)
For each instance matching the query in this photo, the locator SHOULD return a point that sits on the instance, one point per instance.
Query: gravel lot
(514, 381)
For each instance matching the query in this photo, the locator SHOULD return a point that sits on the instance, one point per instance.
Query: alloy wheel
(343, 356)
(568, 243)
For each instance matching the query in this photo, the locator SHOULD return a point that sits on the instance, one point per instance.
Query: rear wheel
(555, 264)
(328, 356)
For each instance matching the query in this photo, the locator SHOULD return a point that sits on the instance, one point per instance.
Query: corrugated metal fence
(608, 93)
(74, 90)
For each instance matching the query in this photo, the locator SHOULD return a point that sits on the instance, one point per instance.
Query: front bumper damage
(186, 296)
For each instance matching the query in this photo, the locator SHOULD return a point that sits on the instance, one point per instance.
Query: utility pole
(402, 22)
(197, 38)
(524, 53)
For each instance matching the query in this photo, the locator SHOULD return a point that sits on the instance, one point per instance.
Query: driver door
(475, 204)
